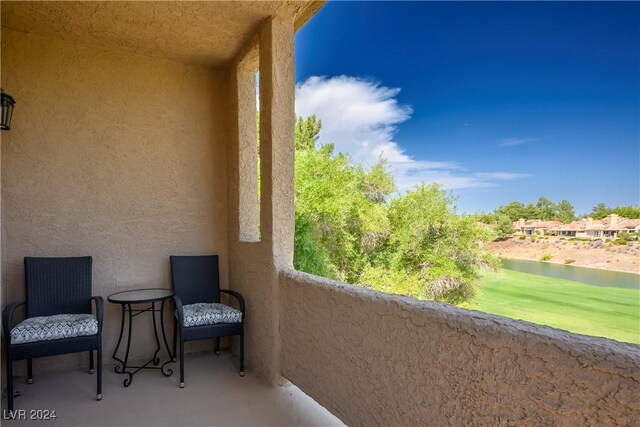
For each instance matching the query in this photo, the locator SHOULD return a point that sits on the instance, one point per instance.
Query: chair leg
(29, 371)
(242, 354)
(9, 384)
(175, 337)
(91, 362)
(217, 346)
(181, 362)
(99, 385)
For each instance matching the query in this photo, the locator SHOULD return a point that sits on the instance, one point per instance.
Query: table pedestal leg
(123, 367)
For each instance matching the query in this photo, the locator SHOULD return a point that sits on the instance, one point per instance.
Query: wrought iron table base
(123, 368)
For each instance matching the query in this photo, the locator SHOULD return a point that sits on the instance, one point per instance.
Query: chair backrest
(196, 278)
(58, 285)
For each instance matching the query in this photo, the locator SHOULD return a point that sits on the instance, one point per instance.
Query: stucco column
(277, 92)
(254, 264)
(249, 215)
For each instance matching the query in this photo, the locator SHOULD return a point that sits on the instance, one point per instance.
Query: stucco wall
(377, 359)
(253, 266)
(114, 155)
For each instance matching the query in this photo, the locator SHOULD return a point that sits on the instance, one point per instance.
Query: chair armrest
(179, 314)
(99, 310)
(237, 296)
(7, 319)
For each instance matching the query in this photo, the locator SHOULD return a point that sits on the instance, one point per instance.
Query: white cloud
(512, 142)
(501, 176)
(361, 117)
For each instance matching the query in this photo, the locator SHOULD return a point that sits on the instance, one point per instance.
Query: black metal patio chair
(59, 318)
(199, 313)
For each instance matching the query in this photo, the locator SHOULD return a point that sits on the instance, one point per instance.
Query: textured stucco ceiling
(200, 32)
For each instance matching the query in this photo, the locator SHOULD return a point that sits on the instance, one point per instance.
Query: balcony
(134, 138)
(216, 395)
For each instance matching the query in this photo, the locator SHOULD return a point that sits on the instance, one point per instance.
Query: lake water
(590, 276)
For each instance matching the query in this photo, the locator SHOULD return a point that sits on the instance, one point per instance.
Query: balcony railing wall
(377, 359)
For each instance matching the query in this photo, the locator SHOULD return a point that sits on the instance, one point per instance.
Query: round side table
(148, 298)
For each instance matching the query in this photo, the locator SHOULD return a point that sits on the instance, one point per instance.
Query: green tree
(340, 216)
(377, 183)
(486, 218)
(599, 210)
(440, 253)
(546, 209)
(348, 227)
(504, 227)
(307, 132)
(514, 210)
(543, 209)
(632, 212)
(531, 211)
(566, 212)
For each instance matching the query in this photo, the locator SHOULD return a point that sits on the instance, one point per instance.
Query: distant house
(608, 227)
(586, 227)
(567, 230)
(532, 227)
(631, 226)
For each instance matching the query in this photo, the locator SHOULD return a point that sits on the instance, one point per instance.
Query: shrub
(579, 239)
(546, 257)
(351, 225)
(503, 227)
(522, 237)
(569, 261)
(625, 235)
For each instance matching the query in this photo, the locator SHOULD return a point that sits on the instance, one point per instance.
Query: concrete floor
(215, 395)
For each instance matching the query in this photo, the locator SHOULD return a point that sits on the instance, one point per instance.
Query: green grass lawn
(573, 306)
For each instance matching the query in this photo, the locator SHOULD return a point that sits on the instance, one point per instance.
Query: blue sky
(497, 101)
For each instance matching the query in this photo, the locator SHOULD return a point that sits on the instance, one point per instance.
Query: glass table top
(141, 295)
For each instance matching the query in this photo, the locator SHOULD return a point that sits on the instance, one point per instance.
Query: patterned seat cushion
(46, 328)
(200, 314)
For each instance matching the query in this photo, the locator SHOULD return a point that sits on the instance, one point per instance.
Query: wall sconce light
(7, 102)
